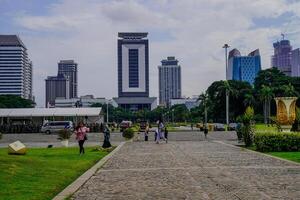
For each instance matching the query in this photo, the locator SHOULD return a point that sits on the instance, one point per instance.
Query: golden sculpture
(286, 110)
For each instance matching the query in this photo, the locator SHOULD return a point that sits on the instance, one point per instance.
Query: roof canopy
(49, 112)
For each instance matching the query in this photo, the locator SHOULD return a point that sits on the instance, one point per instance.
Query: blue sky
(192, 30)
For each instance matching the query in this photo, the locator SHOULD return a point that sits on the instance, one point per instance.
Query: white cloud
(87, 32)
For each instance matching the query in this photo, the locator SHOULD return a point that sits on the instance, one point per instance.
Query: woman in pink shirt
(81, 136)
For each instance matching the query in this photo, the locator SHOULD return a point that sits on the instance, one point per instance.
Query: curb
(260, 153)
(73, 187)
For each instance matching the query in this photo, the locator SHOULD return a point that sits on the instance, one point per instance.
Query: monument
(286, 111)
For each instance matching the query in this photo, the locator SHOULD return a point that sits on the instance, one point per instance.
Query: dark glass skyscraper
(56, 86)
(68, 68)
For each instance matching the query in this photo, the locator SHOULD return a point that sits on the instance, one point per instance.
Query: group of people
(161, 133)
(81, 136)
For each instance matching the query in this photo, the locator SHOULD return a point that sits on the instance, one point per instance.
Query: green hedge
(128, 133)
(277, 141)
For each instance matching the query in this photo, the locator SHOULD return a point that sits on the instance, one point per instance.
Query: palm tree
(249, 100)
(266, 94)
(203, 97)
(228, 91)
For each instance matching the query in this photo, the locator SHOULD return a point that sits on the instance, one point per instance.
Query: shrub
(277, 141)
(64, 134)
(0, 135)
(128, 133)
(247, 129)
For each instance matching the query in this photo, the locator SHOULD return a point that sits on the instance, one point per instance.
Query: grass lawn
(263, 127)
(42, 173)
(293, 156)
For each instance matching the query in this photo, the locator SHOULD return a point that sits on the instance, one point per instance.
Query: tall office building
(295, 63)
(56, 86)
(243, 68)
(133, 72)
(169, 81)
(282, 56)
(69, 69)
(15, 67)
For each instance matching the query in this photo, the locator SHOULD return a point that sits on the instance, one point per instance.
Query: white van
(55, 126)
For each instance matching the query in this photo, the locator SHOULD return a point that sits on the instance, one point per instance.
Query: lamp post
(226, 46)
(107, 102)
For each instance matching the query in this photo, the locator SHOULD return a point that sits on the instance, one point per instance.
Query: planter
(286, 111)
(65, 143)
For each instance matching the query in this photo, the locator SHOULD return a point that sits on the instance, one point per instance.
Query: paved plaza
(190, 167)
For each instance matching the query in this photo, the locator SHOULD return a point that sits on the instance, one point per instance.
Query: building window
(133, 68)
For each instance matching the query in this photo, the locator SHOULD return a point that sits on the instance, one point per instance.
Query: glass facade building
(68, 68)
(169, 81)
(295, 62)
(15, 67)
(243, 68)
(282, 56)
(56, 87)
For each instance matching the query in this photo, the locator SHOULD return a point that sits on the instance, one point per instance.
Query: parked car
(232, 126)
(124, 125)
(219, 127)
(55, 126)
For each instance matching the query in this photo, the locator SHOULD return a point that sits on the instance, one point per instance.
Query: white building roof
(46, 112)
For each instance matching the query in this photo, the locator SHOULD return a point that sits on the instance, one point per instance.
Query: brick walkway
(191, 170)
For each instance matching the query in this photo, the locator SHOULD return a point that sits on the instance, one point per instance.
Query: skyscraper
(15, 67)
(133, 72)
(295, 62)
(169, 81)
(69, 69)
(243, 68)
(56, 86)
(282, 56)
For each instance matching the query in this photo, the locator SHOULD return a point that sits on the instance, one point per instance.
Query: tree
(216, 96)
(265, 95)
(249, 99)
(289, 90)
(203, 97)
(273, 78)
(14, 101)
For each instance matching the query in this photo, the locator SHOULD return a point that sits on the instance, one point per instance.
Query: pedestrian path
(191, 170)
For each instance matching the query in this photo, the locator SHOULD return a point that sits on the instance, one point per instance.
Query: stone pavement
(195, 169)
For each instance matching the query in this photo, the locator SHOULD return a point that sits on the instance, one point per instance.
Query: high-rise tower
(133, 72)
(169, 81)
(15, 67)
(68, 68)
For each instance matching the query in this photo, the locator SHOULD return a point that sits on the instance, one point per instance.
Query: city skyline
(86, 32)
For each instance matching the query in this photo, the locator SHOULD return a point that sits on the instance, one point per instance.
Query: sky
(193, 31)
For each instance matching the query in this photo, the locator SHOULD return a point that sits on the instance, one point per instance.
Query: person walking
(147, 129)
(166, 134)
(81, 136)
(160, 132)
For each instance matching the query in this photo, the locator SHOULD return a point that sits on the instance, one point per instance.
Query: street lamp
(226, 46)
(107, 102)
